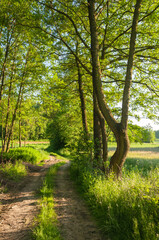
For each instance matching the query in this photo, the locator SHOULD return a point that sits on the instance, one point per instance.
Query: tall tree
(119, 129)
(112, 35)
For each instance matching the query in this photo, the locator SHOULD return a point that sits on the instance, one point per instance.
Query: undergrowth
(125, 209)
(14, 171)
(47, 221)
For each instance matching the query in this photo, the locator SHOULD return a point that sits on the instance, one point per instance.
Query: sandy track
(74, 219)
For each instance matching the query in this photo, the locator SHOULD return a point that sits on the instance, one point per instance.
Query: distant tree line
(59, 134)
(138, 134)
(157, 134)
(141, 134)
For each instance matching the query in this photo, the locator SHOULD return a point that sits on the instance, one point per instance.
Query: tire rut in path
(75, 222)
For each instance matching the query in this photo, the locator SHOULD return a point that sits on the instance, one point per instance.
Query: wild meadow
(127, 208)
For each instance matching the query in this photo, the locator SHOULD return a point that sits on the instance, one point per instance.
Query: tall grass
(47, 221)
(127, 208)
(26, 154)
(13, 171)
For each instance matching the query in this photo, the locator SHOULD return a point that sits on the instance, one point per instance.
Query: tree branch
(67, 16)
(74, 54)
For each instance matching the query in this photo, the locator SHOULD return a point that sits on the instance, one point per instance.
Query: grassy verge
(11, 174)
(124, 209)
(47, 222)
(14, 171)
(26, 154)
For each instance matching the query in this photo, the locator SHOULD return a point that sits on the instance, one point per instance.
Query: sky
(145, 122)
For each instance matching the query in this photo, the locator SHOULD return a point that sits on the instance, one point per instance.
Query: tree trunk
(104, 139)
(12, 141)
(20, 139)
(1, 160)
(119, 157)
(119, 129)
(14, 117)
(128, 78)
(17, 104)
(97, 134)
(82, 99)
(7, 116)
(2, 75)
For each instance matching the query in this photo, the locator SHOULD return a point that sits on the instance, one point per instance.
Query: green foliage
(26, 154)
(64, 130)
(126, 208)
(14, 171)
(141, 134)
(148, 135)
(57, 134)
(157, 134)
(47, 220)
(135, 133)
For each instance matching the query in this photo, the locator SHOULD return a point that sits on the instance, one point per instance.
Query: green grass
(46, 228)
(26, 154)
(39, 140)
(28, 143)
(39, 146)
(14, 171)
(138, 146)
(126, 208)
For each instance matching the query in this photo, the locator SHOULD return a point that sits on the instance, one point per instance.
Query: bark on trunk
(97, 134)
(7, 116)
(2, 75)
(20, 139)
(13, 118)
(82, 100)
(17, 103)
(1, 159)
(119, 157)
(104, 139)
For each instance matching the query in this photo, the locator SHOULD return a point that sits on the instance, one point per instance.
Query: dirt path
(18, 209)
(75, 222)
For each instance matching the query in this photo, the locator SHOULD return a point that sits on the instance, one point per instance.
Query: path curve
(75, 222)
